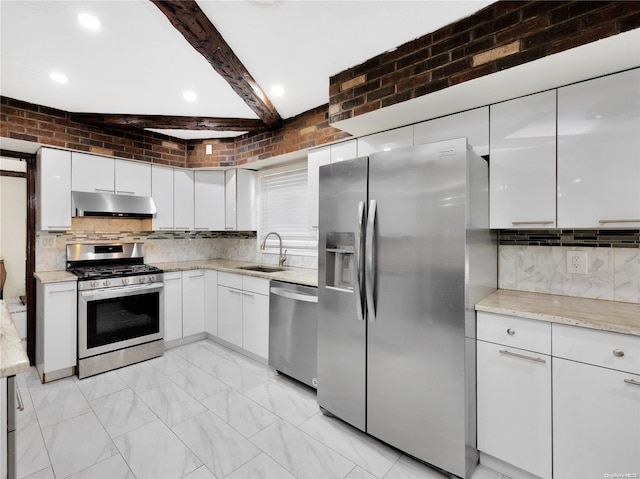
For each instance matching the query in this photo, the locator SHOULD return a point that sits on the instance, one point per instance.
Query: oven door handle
(121, 291)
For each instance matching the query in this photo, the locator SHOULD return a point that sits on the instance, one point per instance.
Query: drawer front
(255, 285)
(600, 348)
(230, 279)
(522, 333)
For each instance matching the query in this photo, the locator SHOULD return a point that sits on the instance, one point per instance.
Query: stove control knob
(107, 282)
(94, 284)
(143, 279)
(152, 278)
(125, 280)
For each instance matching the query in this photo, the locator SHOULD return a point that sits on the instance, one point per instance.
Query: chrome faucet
(282, 258)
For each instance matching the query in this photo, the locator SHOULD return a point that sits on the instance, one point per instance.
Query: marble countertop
(13, 357)
(599, 314)
(55, 276)
(305, 276)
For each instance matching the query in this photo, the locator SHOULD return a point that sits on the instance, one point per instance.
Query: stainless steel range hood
(112, 205)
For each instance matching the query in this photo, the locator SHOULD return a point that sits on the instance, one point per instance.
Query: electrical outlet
(577, 262)
(208, 149)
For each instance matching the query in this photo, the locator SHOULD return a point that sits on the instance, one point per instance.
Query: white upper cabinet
(385, 141)
(315, 159)
(101, 174)
(53, 190)
(471, 124)
(598, 151)
(92, 173)
(209, 197)
(183, 200)
(345, 150)
(133, 178)
(240, 200)
(162, 194)
(523, 162)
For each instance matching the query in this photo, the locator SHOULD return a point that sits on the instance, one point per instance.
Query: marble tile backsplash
(51, 250)
(612, 273)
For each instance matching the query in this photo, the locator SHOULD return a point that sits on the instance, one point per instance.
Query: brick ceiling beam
(197, 29)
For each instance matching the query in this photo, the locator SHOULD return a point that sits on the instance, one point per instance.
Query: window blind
(284, 209)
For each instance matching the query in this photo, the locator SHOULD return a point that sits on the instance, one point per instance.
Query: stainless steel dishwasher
(293, 331)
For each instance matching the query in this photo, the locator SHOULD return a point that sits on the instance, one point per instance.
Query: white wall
(13, 227)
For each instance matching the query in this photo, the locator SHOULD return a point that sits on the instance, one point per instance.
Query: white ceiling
(137, 63)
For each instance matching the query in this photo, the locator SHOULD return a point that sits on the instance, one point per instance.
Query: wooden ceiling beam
(197, 29)
(167, 122)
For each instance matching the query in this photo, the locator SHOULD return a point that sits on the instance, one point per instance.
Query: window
(284, 209)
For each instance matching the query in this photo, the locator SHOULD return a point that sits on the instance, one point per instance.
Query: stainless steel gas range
(120, 306)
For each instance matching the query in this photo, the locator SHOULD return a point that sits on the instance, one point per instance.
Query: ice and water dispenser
(340, 260)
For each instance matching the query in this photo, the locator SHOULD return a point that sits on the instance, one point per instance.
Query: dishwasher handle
(287, 293)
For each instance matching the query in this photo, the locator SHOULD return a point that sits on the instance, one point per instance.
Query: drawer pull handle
(21, 403)
(516, 223)
(632, 381)
(604, 222)
(511, 332)
(618, 353)
(522, 356)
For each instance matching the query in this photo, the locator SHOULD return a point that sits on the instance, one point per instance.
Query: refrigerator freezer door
(416, 349)
(341, 325)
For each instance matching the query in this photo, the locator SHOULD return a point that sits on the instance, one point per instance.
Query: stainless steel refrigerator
(405, 252)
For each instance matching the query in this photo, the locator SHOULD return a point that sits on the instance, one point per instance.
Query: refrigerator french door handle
(360, 307)
(370, 254)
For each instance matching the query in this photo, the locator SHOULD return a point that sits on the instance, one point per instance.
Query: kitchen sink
(263, 269)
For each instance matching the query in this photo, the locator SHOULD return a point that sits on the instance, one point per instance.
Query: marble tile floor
(201, 411)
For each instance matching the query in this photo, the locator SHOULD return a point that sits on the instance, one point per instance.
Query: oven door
(114, 318)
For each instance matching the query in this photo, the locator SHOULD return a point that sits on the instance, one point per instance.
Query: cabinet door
(211, 302)
(344, 151)
(192, 302)
(133, 178)
(209, 200)
(54, 190)
(514, 407)
(172, 306)
(522, 176)
(596, 421)
(230, 192)
(59, 326)
(598, 148)
(385, 141)
(246, 211)
(182, 200)
(316, 158)
(230, 315)
(472, 124)
(92, 173)
(255, 323)
(162, 194)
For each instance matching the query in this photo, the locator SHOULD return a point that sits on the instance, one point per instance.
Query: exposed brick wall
(222, 153)
(306, 130)
(48, 126)
(500, 36)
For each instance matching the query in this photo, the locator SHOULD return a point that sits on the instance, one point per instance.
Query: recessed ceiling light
(277, 90)
(58, 77)
(88, 21)
(190, 96)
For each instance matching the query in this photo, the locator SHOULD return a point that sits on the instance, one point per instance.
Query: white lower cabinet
(230, 314)
(192, 302)
(56, 329)
(172, 306)
(596, 416)
(514, 393)
(243, 312)
(211, 302)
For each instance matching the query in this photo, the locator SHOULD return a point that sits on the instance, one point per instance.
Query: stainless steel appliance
(405, 251)
(293, 331)
(120, 306)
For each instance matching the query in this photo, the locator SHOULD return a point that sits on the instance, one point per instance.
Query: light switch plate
(577, 262)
